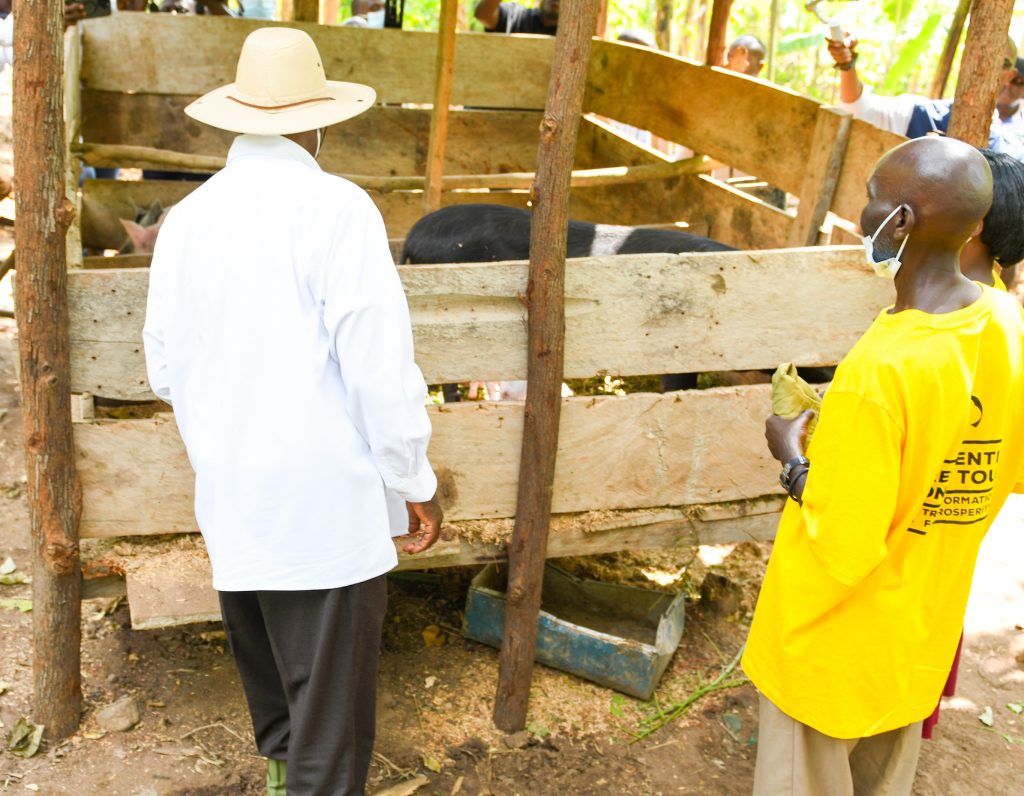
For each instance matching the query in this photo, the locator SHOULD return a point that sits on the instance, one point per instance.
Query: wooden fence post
(54, 495)
(305, 10)
(444, 76)
(545, 295)
(978, 82)
(717, 34)
(824, 162)
(956, 29)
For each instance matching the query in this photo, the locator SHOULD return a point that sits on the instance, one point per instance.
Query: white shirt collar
(270, 146)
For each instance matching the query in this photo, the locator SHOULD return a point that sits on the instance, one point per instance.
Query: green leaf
(986, 717)
(910, 56)
(800, 41)
(897, 11)
(17, 605)
(432, 764)
(1016, 707)
(25, 738)
(14, 579)
(616, 706)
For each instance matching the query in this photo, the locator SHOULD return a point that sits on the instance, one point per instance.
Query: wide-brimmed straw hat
(280, 88)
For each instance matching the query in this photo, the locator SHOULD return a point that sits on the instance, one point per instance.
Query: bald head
(942, 187)
(745, 55)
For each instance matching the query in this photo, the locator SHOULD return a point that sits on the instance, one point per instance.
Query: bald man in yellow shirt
(920, 440)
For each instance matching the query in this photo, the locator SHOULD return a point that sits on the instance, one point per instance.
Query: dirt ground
(435, 701)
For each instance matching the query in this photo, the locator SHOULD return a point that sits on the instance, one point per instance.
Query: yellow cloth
(997, 277)
(791, 396)
(920, 440)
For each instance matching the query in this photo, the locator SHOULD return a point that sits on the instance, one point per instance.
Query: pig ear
(136, 233)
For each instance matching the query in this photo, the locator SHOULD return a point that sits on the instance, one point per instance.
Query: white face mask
(319, 141)
(375, 19)
(887, 268)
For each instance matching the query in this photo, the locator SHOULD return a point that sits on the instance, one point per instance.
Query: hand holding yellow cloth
(791, 395)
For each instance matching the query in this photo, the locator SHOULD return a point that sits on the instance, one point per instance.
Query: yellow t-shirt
(997, 277)
(921, 439)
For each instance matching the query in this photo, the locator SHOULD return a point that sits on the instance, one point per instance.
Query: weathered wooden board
(174, 587)
(866, 145)
(751, 125)
(734, 217)
(627, 315)
(165, 54)
(400, 209)
(821, 175)
(638, 451)
(382, 141)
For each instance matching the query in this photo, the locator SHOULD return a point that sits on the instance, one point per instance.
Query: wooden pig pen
(635, 471)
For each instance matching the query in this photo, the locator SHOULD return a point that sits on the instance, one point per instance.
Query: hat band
(280, 107)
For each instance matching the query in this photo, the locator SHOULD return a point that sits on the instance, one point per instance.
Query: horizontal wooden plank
(382, 141)
(133, 52)
(867, 144)
(627, 315)
(400, 209)
(752, 125)
(615, 453)
(173, 586)
(737, 218)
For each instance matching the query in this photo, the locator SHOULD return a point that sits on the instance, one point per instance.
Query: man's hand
(786, 437)
(842, 52)
(73, 12)
(424, 525)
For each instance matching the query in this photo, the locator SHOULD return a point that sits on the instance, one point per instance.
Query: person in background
(919, 443)
(498, 17)
(1009, 110)
(365, 14)
(992, 257)
(912, 115)
(745, 55)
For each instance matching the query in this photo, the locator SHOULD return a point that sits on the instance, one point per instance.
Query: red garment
(948, 691)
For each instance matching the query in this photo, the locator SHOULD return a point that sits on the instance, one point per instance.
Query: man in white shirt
(277, 328)
(911, 115)
(1009, 118)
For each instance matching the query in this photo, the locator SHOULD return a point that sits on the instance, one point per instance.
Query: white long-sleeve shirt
(6, 41)
(278, 330)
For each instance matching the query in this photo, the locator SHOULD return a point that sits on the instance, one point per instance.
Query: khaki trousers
(796, 760)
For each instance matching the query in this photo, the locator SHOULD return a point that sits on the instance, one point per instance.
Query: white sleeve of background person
(889, 113)
(6, 42)
(367, 320)
(153, 332)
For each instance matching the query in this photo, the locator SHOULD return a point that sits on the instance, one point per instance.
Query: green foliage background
(901, 40)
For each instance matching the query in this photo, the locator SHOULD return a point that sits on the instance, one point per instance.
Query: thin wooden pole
(663, 24)
(306, 10)
(545, 299)
(716, 36)
(601, 27)
(773, 39)
(444, 76)
(956, 29)
(54, 495)
(106, 154)
(329, 12)
(980, 71)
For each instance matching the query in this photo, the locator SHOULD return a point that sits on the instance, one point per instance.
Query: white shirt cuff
(418, 489)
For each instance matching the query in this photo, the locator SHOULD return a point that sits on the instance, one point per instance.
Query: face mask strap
(888, 218)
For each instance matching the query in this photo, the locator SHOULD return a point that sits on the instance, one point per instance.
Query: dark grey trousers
(308, 664)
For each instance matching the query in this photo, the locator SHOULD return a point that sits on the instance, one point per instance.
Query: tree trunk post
(54, 495)
(306, 10)
(980, 71)
(601, 25)
(773, 39)
(545, 298)
(663, 24)
(443, 79)
(956, 29)
(718, 32)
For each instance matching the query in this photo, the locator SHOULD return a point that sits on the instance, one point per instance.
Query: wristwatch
(787, 469)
